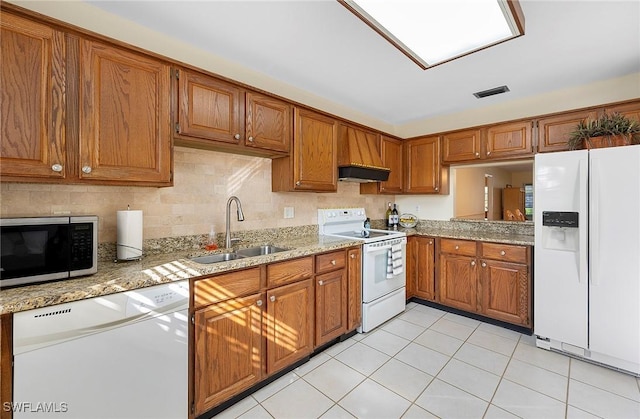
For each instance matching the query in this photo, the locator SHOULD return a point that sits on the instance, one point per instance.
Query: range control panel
(560, 219)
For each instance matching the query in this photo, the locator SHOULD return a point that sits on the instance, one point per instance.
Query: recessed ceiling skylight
(431, 32)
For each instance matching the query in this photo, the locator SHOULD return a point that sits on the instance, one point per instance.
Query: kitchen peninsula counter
(155, 269)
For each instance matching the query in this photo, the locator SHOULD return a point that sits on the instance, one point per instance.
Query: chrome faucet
(227, 242)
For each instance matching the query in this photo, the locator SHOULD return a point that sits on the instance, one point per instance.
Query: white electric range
(383, 263)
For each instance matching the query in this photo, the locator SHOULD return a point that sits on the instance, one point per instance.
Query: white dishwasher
(123, 355)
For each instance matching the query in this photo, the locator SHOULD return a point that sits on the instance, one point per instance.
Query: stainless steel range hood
(359, 157)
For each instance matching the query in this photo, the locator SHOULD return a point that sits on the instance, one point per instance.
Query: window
(431, 32)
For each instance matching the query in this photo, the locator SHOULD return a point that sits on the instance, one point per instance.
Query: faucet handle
(236, 240)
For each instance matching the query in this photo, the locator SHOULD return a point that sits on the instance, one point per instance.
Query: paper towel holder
(129, 235)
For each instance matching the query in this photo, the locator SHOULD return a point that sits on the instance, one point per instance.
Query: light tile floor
(428, 363)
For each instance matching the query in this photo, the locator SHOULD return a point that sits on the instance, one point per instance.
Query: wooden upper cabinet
(461, 146)
(630, 110)
(392, 156)
(553, 132)
(312, 164)
(268, 123)
(124, 116)
(509, 140)
(209, 108)
(32, 76)
(391, 152)
(423, 171)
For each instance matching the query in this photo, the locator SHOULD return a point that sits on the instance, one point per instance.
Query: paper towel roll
(129, 244)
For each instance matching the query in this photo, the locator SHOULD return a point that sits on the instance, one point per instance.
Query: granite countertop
(495, 237)
(153, 270)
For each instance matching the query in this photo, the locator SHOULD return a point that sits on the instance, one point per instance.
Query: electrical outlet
(288, 212)
(417, 209)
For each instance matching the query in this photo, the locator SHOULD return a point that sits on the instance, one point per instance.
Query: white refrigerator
(587, 254)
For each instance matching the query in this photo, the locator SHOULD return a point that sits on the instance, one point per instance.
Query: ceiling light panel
(431, 32)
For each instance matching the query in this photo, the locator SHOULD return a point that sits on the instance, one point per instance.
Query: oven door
(375, 259)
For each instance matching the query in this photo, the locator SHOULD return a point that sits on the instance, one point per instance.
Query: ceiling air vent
(491, 92)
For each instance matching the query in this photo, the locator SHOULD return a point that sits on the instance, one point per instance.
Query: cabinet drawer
(330, 261)
(504, 252)
(222, 287)
(458, 247)
(289, 271)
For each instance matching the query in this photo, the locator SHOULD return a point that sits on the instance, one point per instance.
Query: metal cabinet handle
(488, 153)
(477, 154)
(298, 183)
(272, 298)
(237, 136)
(353, 256)
(437, 188)
(259, 303)
(484, 265)
(503, 252)
(430, 241)
(333, 262)
(320, 282)
(457, 247)
(86, 169)
(56, 167)
(250, 139)
(473, 263)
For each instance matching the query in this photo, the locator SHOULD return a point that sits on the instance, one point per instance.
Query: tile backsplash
(203, 181)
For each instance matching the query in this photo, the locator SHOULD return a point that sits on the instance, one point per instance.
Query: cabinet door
(32, 76)
(509, 140)
(461, 146)
(268, 123)
(553, 132)
(457, 282)
(289, 325)
(124, 116)
(331, 306)
(315, 146)
(425, 286)
(630, 110)
(228, 350)
(209, 108)
(391, 150)
(505, 291)
(423, 171)
(354, 275)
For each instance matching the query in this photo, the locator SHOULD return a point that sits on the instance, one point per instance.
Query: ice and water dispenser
(560, 230)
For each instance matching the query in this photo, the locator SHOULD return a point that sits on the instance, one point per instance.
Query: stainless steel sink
(260, 250)
(217, 257)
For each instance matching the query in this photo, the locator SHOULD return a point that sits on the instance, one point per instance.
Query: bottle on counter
(212, 242)
(389, 216)
(395, 217)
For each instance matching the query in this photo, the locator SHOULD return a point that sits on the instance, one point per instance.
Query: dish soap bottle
(212, 243)
(389, 217)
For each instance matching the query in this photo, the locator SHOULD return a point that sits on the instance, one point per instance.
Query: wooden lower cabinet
(331, 306)
(458, 282)
(6, 360)
(289, 324)
(421, 268)
(490, 279)
(354, 278)
(505, 292)
(228, 350)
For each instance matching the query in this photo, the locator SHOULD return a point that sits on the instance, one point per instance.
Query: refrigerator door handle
(582, 256)
(594, 228)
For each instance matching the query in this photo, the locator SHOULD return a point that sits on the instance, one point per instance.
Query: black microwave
(44, 249)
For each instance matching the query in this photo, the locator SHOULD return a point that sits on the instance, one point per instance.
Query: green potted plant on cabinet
(608, 130)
